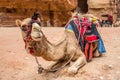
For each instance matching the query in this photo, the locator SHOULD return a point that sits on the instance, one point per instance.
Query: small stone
(107, 67)
(101, 78)
(110, 66)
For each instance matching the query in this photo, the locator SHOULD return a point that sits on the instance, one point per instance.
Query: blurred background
(55, 12)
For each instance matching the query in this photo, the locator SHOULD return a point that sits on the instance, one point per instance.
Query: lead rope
(40, 69)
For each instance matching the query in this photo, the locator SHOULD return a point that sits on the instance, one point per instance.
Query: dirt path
(16, 64)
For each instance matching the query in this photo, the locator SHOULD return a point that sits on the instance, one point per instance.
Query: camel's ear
(18, 22)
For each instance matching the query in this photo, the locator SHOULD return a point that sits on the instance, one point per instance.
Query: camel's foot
(78, 64)
(72, 70)
(51, 65)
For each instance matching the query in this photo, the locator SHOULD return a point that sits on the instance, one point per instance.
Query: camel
(64, 49)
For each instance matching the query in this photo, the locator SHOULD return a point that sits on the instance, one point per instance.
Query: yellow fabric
(70, 31)
(94, 19)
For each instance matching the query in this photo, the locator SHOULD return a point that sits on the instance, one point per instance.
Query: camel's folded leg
(51, 65)
(96, 53)
(81, 61)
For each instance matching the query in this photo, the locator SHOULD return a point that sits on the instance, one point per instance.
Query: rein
(40, 69)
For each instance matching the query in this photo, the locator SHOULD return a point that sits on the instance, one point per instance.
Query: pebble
(101, 78)
(110, 66)
(107, 67)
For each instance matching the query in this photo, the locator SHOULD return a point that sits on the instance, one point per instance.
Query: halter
(40, 68)
(28, 29)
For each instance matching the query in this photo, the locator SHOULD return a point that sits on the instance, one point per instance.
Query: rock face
(98, 4)
(100, 7)
(52, 11)
(55, 12)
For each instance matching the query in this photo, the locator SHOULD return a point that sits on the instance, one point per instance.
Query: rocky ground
(16, 64)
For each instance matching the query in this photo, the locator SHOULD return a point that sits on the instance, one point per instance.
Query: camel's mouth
(36, 32)
(36, 36)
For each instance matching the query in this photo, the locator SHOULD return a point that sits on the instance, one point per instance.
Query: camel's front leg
(95, 46)
(81, 61)
(51, 65)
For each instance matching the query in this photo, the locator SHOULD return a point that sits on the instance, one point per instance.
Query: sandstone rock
(56, 12)
(50, 9)
(98, 4)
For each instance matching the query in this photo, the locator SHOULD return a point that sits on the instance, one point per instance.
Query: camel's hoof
(72, 70)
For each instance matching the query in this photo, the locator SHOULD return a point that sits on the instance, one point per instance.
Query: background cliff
(54, 12)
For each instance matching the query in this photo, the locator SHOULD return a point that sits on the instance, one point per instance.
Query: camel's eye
(24, 28)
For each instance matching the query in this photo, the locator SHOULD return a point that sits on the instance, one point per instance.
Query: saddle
(90, 37)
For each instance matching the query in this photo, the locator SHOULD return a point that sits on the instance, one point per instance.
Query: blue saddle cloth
(101, 47)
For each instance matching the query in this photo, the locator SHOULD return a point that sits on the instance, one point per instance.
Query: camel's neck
(49, 51)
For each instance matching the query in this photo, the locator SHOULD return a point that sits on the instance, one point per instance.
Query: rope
(37, 61)
(53, 70)
(40, 69)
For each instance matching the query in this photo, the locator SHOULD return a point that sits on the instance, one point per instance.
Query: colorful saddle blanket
(87, 33)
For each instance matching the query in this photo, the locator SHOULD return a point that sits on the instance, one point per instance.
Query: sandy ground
(16, 64)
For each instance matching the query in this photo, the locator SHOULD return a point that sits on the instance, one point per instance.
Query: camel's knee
(51, 65)
(97, 54)
(95, 45)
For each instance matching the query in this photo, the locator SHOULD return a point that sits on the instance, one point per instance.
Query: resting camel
(64, 49)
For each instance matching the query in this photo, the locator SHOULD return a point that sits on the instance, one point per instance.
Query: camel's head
(29, 29)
